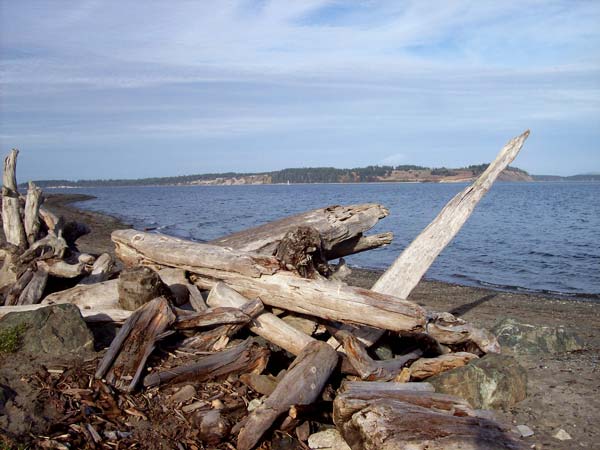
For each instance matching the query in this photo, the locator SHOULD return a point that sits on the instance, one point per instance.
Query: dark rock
(523, 338)
(57, 330)
(492, 382)
(139, 285)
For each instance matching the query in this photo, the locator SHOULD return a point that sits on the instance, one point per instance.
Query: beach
(563, 388)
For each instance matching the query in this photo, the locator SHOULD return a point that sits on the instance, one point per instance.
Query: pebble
(327, 440)
(253, 404)
(562, 435)
(524, 431)
(184, 394)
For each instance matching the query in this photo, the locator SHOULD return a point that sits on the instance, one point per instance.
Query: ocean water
(540, 237)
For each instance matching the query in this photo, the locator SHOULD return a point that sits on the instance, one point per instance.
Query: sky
(129, 89)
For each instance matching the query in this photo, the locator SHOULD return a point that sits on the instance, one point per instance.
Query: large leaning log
(14, 231)
(260, 276)
(336, 225)
(408, 269)
(32, 209)
(301, 385)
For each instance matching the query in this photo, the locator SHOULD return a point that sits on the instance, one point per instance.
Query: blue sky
(127, 89)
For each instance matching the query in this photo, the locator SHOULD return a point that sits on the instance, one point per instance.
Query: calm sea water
(542, 237)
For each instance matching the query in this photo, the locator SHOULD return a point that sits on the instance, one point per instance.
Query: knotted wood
(14, 231)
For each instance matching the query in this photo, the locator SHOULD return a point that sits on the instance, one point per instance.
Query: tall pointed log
(14, 231)
(32, 209)
(408, 269)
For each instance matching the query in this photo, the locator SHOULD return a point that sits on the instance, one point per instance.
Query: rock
(184, 394)
(139, 285)
(327, 440)
(492, 382)
(562, 435)
(253, 404)
(524, 431)
(384, 352)
(523, 338)
(57, 330)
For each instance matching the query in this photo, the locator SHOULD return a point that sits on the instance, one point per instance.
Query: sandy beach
(563, 389)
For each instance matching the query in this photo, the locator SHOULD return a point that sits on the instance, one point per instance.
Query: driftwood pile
(207, 301)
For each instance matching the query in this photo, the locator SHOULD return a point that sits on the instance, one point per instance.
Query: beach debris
(524, 431)
(186, 351)
(562, 435)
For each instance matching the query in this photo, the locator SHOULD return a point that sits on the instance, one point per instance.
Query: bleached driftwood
(267, 325)
(408, 269)
(32, 294)
(97, 296)
(14, 231)
(259, 276)
(335, 224)
(390, 424)
(111, 315)
(427, 367)
(63, 269)
(301, 385)
(124, 362)
(101, 270)
(454, 331)
(31, 220)
(360, 244)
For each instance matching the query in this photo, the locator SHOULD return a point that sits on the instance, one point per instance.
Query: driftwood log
(336, 225)
(243, 358)
(260, 276)
(301, 385)
(126, 357)
(14, 231)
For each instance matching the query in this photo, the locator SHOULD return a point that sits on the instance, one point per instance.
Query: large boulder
(492, 382)
(523, 338)
(57, 330)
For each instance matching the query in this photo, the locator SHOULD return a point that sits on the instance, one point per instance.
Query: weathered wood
(53, 222)
(335, 224)
(177, 283)
(14, 231)
(353, 397)
(12, 298)
(427, 367)
(368, 368)
(301, 385)
(389, 424)
(301, 251)
(382, 389)
(408, 269)
(32, 294)
(48, 247)
(217, 338)
(450, 330)
(258, 276)
(101, 270)
(136, 248)
(62, 269)
(243, 358)
(99, 296)
(126, 357)
(31, 220)
(267, 325)
(212, 317)
(359, 244)
(196, 299)
(139, 285)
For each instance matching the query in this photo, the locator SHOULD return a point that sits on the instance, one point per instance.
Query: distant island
(369, 174)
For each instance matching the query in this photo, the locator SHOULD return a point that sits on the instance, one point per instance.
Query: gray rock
(524, 431)
(523, 338)
(57, 330)
(327, 440)
(492, 382)
(562, 435)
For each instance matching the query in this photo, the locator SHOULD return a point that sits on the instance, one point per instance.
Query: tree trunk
(126, 357)
(301, 385)
(14, 231)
